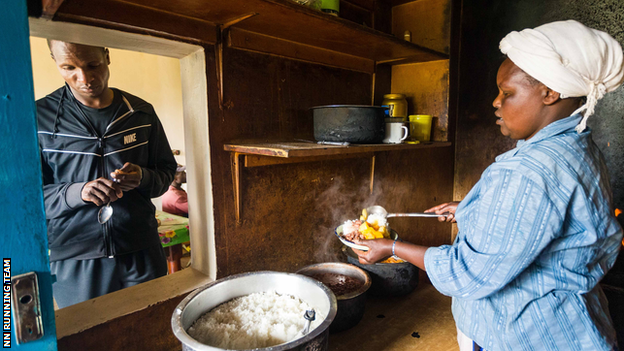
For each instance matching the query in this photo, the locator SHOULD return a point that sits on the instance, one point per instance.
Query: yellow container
(420, 127)
(396, 104)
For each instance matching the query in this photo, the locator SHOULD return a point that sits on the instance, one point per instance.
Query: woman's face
(519, 102)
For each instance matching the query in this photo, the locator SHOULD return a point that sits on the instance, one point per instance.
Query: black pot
(388, 279)
(350, 305)
(357, 124)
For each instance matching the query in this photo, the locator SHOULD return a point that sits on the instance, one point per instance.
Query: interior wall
(155, 79)
(289, 212)
(479, 139)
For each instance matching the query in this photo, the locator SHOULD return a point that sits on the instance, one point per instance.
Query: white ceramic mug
(396, 132)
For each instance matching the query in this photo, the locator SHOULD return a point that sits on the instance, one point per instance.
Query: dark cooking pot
(358, 124)
(351, 303)
(388, 279)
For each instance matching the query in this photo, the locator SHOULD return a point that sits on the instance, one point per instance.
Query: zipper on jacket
(107, 243)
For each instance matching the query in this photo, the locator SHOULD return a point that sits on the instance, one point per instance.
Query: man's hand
(449, 207)
(101, 191)
(128, 177)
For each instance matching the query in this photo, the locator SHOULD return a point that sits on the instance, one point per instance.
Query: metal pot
(358, 124)
(210, 296)
(350, 305)
(388, 279)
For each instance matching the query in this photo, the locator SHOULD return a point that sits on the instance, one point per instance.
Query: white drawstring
(596, 92)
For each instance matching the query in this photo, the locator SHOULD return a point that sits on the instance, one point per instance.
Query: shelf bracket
(372, 174)
(236, 178)
(222, 35)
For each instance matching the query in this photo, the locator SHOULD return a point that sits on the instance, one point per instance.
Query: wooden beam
(250, 41)
(139, 19)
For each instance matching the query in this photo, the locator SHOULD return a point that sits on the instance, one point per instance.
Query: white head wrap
(569, 58)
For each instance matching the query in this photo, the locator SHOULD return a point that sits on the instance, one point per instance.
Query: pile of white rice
(253, 321)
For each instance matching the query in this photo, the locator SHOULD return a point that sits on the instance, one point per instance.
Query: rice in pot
(254, 321)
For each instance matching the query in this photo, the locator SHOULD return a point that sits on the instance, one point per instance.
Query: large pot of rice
(252, 310)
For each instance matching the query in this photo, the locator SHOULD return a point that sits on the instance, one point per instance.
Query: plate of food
(340, 234)
(367, 227)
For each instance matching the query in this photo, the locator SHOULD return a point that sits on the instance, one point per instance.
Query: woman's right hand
(449, 207)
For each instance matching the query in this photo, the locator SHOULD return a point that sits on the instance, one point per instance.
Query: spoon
(309, 315)
(105, 213)
(380, 211)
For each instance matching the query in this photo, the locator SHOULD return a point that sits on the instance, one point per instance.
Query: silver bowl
(204, 299)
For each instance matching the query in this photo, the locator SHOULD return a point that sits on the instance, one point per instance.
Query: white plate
(351, 244)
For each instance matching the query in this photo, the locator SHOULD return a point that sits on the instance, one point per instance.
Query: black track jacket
(72, 154)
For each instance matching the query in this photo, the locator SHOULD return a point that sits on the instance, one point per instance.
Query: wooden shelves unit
(280, 27)
(256, 154)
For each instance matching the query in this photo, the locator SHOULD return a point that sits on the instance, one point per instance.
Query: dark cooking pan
(358, 124)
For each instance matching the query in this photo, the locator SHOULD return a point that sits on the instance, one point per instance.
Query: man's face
(84, 68)
(519, 102)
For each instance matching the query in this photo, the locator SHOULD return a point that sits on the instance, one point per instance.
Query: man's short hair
(52, 41)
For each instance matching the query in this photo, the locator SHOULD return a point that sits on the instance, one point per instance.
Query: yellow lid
(394, 96)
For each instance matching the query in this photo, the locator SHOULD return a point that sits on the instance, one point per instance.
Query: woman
(537, 232)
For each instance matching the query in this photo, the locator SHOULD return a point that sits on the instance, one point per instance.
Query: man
(175, 200)
(538, 231)
(98, 146)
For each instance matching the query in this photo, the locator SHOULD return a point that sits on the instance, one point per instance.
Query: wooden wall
(290, 211)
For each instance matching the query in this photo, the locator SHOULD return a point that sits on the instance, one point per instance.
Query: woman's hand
(378, 249)
(449, 207)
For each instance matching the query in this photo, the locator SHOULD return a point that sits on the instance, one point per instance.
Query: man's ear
(108, 61)
(550, 96)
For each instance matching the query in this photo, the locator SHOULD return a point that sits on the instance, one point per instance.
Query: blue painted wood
(23, 238)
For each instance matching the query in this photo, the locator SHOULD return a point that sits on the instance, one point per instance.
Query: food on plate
(367, 227)
(256, 320)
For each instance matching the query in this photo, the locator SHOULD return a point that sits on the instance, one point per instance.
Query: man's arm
(162, 166)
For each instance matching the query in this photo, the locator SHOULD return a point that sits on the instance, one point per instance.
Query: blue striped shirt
(536, 235)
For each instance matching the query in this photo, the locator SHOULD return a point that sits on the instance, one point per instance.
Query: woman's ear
(550, 96)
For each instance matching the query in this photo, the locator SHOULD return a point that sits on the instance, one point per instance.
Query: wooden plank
(427, 20)
(134, 18)
(246, 40)
(366, 4)
(261, 160)
(282, 19)
(294, 149)
(356, 13)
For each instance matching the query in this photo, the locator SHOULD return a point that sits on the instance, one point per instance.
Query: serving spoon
(380, 211)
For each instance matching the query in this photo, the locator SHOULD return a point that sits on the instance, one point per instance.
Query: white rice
(253, 321)
(349, 227)
(381, 220)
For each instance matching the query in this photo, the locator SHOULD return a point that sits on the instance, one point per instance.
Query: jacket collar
(564, 125)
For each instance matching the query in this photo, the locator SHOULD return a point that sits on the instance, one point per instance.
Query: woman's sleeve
(510, 222)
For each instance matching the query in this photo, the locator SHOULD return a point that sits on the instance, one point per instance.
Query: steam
(340, 202)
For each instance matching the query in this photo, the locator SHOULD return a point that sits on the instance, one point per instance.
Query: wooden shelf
(304, 150)
(256, 154)
(253, 21)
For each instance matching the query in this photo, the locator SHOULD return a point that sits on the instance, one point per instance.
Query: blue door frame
(22, 220)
